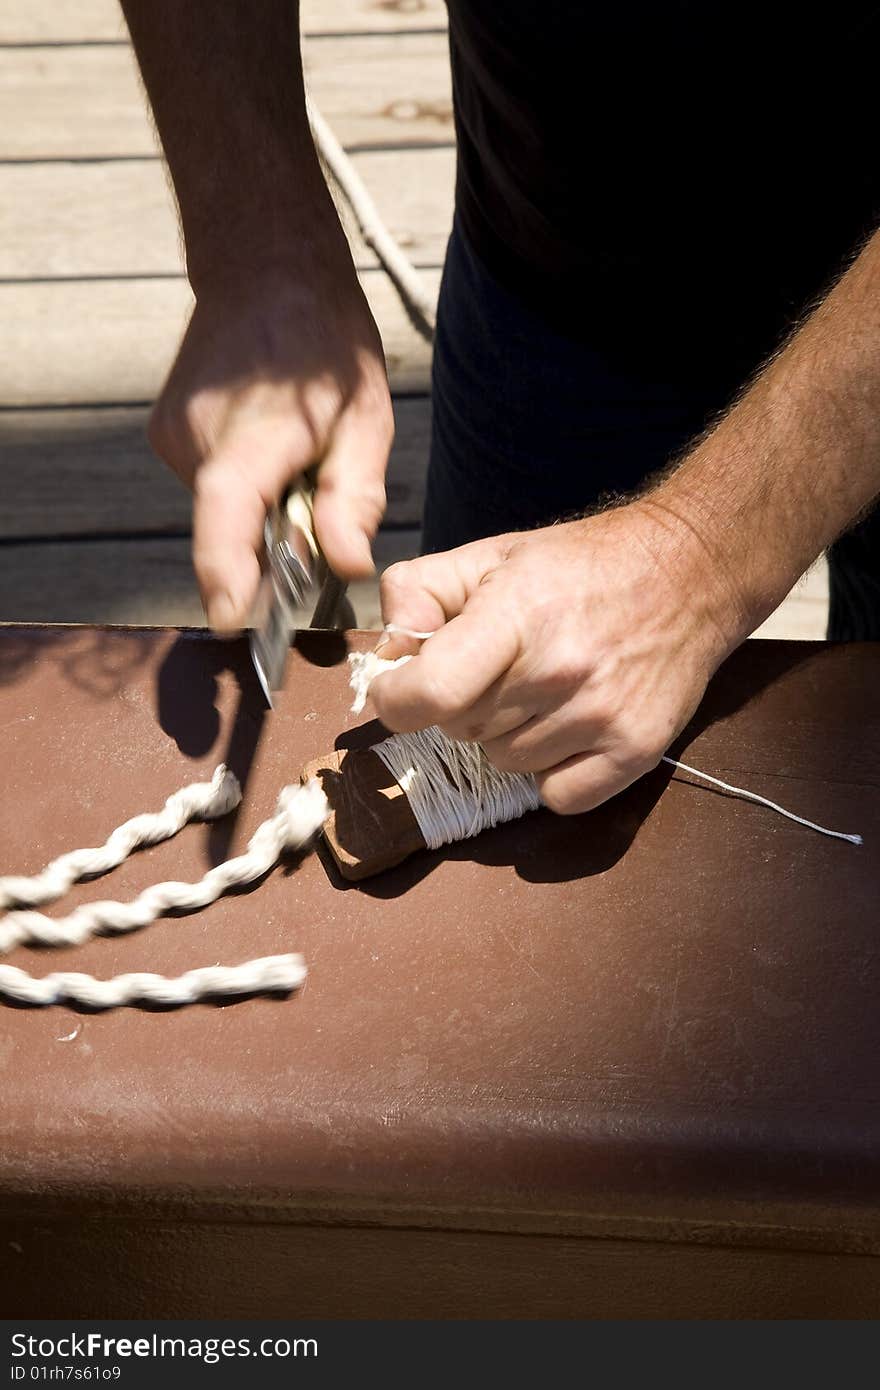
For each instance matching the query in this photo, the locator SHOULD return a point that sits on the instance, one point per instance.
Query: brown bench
(616, 1065)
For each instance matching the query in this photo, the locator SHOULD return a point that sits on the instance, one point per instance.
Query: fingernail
(223, 614)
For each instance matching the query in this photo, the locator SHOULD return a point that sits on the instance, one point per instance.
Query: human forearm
(281, 367)
(226, 87)
(794, 461)
(579, 652)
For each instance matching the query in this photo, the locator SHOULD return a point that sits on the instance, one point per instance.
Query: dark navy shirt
(674, 182)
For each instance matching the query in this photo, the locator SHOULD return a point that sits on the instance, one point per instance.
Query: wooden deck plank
(383, 91)
(89, 472)
(414, 191)
(151, 582)
(78, 21)
(87, 102)
(119, 217)
(90, 341)
(71, 21)
(803, 615)
(370, 16)
(145, 581)
(72, 103)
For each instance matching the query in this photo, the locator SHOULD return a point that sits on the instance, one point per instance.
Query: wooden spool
(371, 826)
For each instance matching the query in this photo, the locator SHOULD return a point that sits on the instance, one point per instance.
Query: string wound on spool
(455, 792)
(452, 788)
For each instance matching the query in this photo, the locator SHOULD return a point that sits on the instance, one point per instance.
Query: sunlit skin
(576, 652)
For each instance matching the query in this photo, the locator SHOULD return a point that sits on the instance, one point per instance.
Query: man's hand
(271, 378)
(281, 366)
(576, 652)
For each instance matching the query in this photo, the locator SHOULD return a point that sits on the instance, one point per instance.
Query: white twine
(199, 801)
(412, 288)
(763, 801)
(453, 789)
(300, 812)
(365, 667)
(271, 974)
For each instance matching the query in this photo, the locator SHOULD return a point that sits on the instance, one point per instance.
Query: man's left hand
(576, 652)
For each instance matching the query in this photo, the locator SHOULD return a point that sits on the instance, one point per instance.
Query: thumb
(425, 593)
(233, 492)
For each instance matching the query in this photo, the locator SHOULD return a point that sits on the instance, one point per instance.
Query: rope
(270, 975)
(200, 801)
(300, 812)
(372, 228)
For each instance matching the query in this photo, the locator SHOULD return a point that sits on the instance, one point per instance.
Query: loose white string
(764, 801)
(455, 792)
(201, 800)
(392, 629)
(300, 811)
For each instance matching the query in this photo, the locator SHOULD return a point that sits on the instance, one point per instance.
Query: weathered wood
(371, 826)
(70, 21)
(803, 615)
(146, 582)
(414, 191)
(78, 21)
(90, 472)
(370, 16)
(150, 582)
(87, 102)
(74, 103)
(88, 342)
(119, 217)
(383, 91)
(111, 218)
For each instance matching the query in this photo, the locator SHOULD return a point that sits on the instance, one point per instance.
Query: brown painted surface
(653, 1026)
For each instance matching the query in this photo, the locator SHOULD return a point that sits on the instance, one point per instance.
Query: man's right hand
(273, 376)
(281, 366)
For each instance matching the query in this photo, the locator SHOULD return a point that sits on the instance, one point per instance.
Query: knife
(297, 589)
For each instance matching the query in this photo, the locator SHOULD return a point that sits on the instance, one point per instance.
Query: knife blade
(292, 570)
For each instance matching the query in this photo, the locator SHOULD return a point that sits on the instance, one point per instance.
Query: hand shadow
(187, 688)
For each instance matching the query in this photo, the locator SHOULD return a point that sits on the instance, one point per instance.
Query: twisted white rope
(300, 811)
(374, 231)
(271, 974)
(455, 792)
(200, 801)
